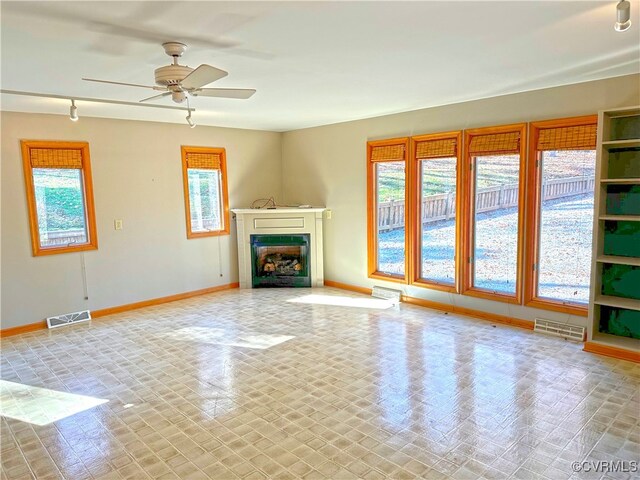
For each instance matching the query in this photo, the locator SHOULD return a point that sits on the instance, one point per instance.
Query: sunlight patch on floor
(218, 336)
(41, 406)
(343, 301)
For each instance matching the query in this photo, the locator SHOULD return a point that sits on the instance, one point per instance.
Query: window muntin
(205, 191)
(59, 196)
(387, 208)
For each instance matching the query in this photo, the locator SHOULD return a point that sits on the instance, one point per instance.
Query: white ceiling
(312, 63)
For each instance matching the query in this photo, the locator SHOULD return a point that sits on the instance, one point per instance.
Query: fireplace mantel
(279, 221)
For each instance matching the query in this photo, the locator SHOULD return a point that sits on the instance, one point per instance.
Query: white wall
(137, 177)
(327, 166)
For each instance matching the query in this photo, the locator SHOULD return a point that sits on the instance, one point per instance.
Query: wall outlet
(117, 224)
(327, 214)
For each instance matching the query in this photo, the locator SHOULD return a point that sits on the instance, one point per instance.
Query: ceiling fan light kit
(623, 16)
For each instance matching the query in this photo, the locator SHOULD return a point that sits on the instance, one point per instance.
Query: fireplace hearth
(280, 261)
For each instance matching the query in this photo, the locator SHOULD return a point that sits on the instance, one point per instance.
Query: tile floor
(249, 384)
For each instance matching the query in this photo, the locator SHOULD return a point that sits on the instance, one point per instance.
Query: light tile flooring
(281, 389)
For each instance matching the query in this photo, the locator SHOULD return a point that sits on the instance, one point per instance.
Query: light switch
(117, 224)
(327, 214)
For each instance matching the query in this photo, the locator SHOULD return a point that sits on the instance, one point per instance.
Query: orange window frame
(87, 184)
(224, 193)
(534, 184)
(372, 213)
(416, 200)
(468, 214)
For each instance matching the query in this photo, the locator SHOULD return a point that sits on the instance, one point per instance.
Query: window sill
(216, 233)
(39, 251)
(387, 277)
(559, 306)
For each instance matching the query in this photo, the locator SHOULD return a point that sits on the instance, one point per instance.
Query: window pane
(566, 224)
(496, 222)
(60, 206)
(438, 219)
(390, 185)
(204, 200)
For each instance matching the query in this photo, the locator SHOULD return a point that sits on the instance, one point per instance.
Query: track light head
(191, 123)
(73, 112)
(623, 16)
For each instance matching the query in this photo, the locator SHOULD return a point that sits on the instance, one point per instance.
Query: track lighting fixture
(623, 16)
(73, 111)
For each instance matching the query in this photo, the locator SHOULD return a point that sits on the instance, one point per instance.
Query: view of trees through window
(204, 199)
(59, 197)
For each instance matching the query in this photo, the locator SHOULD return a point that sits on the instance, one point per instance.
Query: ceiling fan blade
(155, 96)
(203, 75)
(241, 93)
(121, 83)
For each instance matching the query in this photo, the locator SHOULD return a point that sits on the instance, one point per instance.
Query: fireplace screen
(280, 260)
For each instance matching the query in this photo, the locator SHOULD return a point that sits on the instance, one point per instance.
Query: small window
(59, 196)
(387, 207)
(560, 217)
(205, 191)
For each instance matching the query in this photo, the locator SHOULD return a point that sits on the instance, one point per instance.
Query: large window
(387, 209)
(560, 217)
(205, 191)
(436, 159)
(495, 161)
(59, 196)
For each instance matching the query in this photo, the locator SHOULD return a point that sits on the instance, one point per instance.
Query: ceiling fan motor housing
(171, 74)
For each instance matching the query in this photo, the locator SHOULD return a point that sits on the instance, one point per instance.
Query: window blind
(495, 143)
(579, 137)
(444, 147)
(387, 153)
(55, 158)
(209, 161)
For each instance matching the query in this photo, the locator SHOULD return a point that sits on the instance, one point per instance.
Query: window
(59, 196)
(560, 214)
(436, 159)
(206, 198)
(387, 209)
(493, 220)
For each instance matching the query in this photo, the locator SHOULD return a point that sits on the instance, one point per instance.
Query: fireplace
(280, 261)
(279, 247)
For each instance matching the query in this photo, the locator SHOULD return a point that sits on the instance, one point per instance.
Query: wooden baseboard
(492, 317)
(346, 286)
(7, 332)
(614, 352)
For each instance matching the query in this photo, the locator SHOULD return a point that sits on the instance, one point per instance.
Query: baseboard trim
(468, 312)
(31, 327)
(613, 352)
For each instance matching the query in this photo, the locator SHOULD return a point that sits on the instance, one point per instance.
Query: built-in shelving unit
(614, 313)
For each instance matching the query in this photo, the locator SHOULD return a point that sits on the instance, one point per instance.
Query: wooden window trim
(225, 192)
(468, 208)
(87, 184)
(532, 246)
(415, 195)
(372, 217)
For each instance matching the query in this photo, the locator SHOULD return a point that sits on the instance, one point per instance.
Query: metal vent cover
(68, 319)
(390, 294)
(564, 330)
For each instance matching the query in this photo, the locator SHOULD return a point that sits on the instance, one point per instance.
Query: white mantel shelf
(279, 221)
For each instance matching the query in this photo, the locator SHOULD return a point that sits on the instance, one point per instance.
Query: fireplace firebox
(280, 260)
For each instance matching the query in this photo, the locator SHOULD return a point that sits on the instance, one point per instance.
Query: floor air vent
(564, 330)
(387, 294)
(68, 319)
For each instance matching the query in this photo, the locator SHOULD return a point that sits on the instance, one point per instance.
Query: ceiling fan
(179, 80)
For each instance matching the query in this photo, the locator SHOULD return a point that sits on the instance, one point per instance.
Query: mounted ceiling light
(623, 16)
(73, 112)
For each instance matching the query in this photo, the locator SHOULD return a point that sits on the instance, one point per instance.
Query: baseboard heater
(565, 330)
(390, 294)
(68, 319)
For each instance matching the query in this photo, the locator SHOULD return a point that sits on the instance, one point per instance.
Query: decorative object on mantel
(280, 247)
